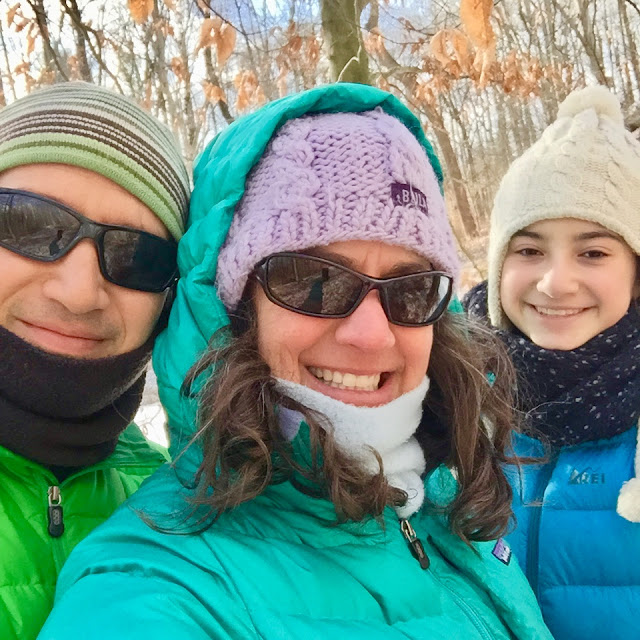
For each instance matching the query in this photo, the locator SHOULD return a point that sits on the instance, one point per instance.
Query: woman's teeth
(545, 311)
(346, 380)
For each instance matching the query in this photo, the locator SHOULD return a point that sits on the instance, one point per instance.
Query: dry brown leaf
(177, 66)
(29, 82)
(19, 26)
(203, 6)
(170, 4)
(452, 49)
(74, 67)
(206, 38)
(140, 10)
(281, 80)
(475, 17)
(225, 42)
(383, 84)
(374, 42)
(484, 64)
(461, 49)
(164, 27)
(45, 77)
(423, 94)
(23, 67)
(11, 14)
(511, 73)
(31, 42)
(249, 91)
(213, 93)
(312, 52)
(438, 47)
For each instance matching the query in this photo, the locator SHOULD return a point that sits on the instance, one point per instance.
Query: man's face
(66, 306)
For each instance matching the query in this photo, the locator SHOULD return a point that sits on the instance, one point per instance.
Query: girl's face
(565, 281)
(372, 360)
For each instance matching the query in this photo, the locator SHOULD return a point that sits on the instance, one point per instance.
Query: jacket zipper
(55, 514)
(416, 546)
(533, 537)
(55, 520)
(418, 552)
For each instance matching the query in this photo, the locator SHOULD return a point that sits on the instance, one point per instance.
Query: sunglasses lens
(35, 228)
(138, 260)
(312, 286)
(419, 299)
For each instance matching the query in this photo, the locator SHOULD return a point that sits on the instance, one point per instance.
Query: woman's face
(374, 360)
(565, 281)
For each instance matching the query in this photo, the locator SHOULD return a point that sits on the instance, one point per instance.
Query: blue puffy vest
(581, 558)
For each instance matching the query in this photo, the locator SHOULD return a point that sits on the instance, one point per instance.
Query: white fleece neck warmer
(389, 429)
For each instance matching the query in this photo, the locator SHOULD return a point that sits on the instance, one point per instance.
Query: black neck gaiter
(66, 412)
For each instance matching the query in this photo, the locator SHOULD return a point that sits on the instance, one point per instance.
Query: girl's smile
(566, 280)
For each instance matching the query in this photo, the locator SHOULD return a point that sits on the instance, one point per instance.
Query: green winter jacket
(33, 544)
(277, 567)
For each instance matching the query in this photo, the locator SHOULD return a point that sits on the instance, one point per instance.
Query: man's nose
(76, 281)
(367, 328)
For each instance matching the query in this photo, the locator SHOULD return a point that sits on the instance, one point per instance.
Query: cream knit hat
(586, 165)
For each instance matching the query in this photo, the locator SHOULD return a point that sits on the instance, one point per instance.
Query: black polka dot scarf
(571, 397)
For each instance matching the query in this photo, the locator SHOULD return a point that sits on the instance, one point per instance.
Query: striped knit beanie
(586, 165)
(87, 126)
(335, 177)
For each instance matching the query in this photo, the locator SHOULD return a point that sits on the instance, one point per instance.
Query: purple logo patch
(404, 195)
(502, 551)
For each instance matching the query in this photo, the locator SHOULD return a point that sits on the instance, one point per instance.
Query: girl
(562, 291)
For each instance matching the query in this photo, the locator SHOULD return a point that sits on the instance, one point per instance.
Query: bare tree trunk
(590, 42)
(454, 173)
(348, 59)
(51, 61)
(79, 30)
(214, 78)
(631, 57)
(9, 75)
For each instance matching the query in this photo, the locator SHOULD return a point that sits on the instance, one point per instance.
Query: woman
(322, 505)
(562, 294)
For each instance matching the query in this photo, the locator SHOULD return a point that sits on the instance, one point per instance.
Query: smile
(548, 311)
(340, 380)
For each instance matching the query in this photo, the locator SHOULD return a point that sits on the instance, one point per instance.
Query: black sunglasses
(45, 230)
(323, 289)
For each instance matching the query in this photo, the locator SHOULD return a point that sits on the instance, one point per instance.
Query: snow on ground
(151, 417)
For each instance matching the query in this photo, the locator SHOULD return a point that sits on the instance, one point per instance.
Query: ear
(635, 293)
(163, 318)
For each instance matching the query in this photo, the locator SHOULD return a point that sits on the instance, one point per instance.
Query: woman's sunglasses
(45, 230)
(323, 289)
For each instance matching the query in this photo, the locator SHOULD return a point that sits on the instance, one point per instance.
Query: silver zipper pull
(417, 550)
(54, 513)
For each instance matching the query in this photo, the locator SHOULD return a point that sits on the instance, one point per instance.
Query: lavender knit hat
(335, 177)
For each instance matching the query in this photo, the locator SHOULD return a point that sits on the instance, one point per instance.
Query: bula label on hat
(405, 195)
(502, 551)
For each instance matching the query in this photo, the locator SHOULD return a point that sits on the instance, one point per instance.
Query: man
(93, 198)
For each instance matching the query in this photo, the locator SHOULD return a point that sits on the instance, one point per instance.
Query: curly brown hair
(467, 420)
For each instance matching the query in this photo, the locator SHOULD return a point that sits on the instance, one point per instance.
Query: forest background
(484, 77)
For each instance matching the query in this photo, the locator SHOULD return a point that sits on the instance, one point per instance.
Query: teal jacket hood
(219, 182)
